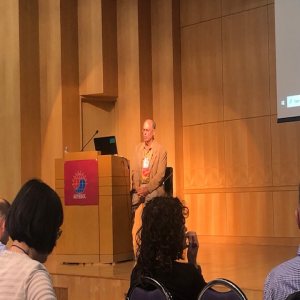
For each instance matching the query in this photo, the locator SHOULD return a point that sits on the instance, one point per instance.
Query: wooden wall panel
(202, 98)
(163, 68)
(247, 152)
(109, 38)
(10, 151)
(195, 11)
(128, 122)
(162, 75)
(61, 293)
(232, 214)
(249, 214)
(204, 160)
(50, 87)
(97, 116)
(285, 204)
(29, 92)
(234, 6)
(285, 152)
(10, 155)
(260, 157)
(177, 99)
(90, 47)
(145, 59)
(97, 42)
(70, 75)
(207, 213)
(272, 58)
(246, 68)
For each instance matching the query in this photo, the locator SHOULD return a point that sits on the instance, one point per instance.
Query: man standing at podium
(149, 166)
(148, 171)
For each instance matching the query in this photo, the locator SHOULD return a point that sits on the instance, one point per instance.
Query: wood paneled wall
(97, 47)
(19, 87)
(164, 62)
(29, 89)
(70, 75)
(10, 157)
(50, 86)
(128, 106)
(241, 168)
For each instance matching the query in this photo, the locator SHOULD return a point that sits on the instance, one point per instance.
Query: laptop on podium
(107, 145)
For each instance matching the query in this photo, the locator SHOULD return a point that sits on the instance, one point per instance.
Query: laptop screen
(107, 145)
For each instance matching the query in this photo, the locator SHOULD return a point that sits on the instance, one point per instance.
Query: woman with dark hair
(33, 224)
(161, 241)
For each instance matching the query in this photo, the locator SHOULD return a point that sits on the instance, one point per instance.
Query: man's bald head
(148, 131)
(4, 209)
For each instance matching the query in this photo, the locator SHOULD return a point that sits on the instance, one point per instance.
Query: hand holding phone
(192, 240)
(193, 245)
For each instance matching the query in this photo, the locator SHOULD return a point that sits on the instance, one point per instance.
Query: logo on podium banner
(81, 182)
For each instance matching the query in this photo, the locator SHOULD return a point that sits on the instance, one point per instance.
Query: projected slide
(287, 39)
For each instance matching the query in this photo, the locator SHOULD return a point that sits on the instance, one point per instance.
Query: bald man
(149, 167)
(4, 208)
(148, 171)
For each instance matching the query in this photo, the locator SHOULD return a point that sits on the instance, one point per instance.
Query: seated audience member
(284, 279)
(4, 208)
(33, 223)
(161, 241)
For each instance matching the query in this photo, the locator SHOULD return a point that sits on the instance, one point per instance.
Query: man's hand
(142, 191)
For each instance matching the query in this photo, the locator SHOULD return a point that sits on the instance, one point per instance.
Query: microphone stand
(89, 140)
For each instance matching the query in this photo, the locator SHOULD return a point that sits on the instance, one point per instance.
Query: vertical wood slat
(10, 116)
(97, 47)
(70, 75)
(50, 87)
(29, 90)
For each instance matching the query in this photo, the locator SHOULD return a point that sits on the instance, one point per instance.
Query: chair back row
(148, 289)
(217, 289)
(221, 289)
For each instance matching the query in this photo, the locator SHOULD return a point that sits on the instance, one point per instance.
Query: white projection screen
(287, 38)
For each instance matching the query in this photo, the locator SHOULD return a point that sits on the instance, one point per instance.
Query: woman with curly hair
(161, 241)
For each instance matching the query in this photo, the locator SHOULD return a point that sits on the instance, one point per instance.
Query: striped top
(23, 278)
(283, 280)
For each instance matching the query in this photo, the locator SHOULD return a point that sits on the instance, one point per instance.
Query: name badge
(146, 163)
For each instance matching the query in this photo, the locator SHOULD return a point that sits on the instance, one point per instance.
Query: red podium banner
(81, 182)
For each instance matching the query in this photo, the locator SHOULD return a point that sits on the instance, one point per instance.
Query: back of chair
(168, 181)
(148, 289)
(232, 292)
(294, 296)
(142, 294)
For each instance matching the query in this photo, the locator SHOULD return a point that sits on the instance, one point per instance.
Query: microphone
(89, 140)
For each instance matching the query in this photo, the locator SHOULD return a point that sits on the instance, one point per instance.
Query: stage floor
(246, 265)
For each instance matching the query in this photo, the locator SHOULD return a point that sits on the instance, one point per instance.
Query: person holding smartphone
(161, 241)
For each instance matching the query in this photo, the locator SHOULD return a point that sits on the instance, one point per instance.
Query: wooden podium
(102, 232)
